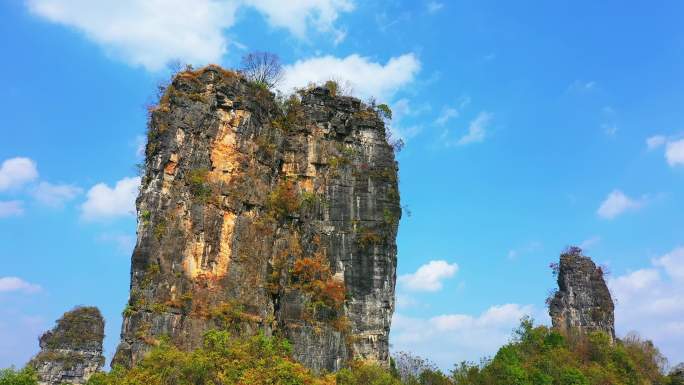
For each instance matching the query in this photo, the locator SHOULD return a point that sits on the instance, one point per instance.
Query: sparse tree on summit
(262, 68)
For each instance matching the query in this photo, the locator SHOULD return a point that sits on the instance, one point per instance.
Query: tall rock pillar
(582, 302)
(264, 214)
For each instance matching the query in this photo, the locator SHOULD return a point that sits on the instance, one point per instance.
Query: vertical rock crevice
(583, 302)
(258, 214)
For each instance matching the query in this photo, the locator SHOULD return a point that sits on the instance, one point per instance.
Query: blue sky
(529, 126)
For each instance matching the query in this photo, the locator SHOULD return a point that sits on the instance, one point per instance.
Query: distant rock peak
(72, 351)
(583, 301)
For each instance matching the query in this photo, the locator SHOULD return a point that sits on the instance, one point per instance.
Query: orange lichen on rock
(171, 165)
(224, 154)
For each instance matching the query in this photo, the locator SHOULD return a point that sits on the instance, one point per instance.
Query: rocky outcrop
(582, 302)
(676, 375)
(72, 351)
(266, 214)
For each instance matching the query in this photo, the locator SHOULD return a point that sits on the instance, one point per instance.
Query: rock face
(72, 351)
(263, 214)
(582, 302)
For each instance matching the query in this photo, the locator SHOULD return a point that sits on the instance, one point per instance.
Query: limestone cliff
(582, 301)
(72, 351)
(266, 214)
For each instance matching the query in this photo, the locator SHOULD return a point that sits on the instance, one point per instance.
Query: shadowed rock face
(72, 351)
(582, 301)
(264, 215)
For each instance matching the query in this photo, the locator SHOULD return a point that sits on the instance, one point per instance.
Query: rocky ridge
(264, 214)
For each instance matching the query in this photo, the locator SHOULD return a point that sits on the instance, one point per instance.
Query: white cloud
(16, 172)
(617, 203)
(447, 114)
(653, 293)
(297, 15)
(655, 141)
(674, 153)
(434, 6)
(106, 202)
(152, 33)
(55, 195)
(634, 281)
(477, 129)
(673, 263)
(451, 338)
(367, 78)
(147, 33)
(139, 143)
(12, 284)
(452, 112)
(11, 208)
(429, 277)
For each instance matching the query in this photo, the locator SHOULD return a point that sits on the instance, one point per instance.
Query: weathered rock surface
(257, 214)
(72, 351)
(582, 302)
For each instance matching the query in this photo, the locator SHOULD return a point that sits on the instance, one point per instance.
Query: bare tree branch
(263, 68)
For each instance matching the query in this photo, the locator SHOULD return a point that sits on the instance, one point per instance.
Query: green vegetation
(332, 86)
(128, 311)
(366, 237)
(539, 355)
(75, 329)
(368, 374)
(260, 85)
(535, 356)
(26, 376)
(385, 111)
(197, 180)
(292, 114)
(160, 229)
(222, 359)
(284, 200)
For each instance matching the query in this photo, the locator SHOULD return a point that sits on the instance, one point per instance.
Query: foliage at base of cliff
(542, 356)
(223, 359)
(535, 356)
(26, 376)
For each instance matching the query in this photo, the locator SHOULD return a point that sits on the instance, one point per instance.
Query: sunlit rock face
(582, 302)
(72, 351)
(258, 214)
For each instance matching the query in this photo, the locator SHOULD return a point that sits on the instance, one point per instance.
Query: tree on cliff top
(262, 68)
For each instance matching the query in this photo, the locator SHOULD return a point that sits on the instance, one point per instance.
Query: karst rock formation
(72, 351)
(582, 302)
(264, 214)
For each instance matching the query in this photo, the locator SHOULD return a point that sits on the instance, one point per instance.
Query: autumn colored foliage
(312, 275)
